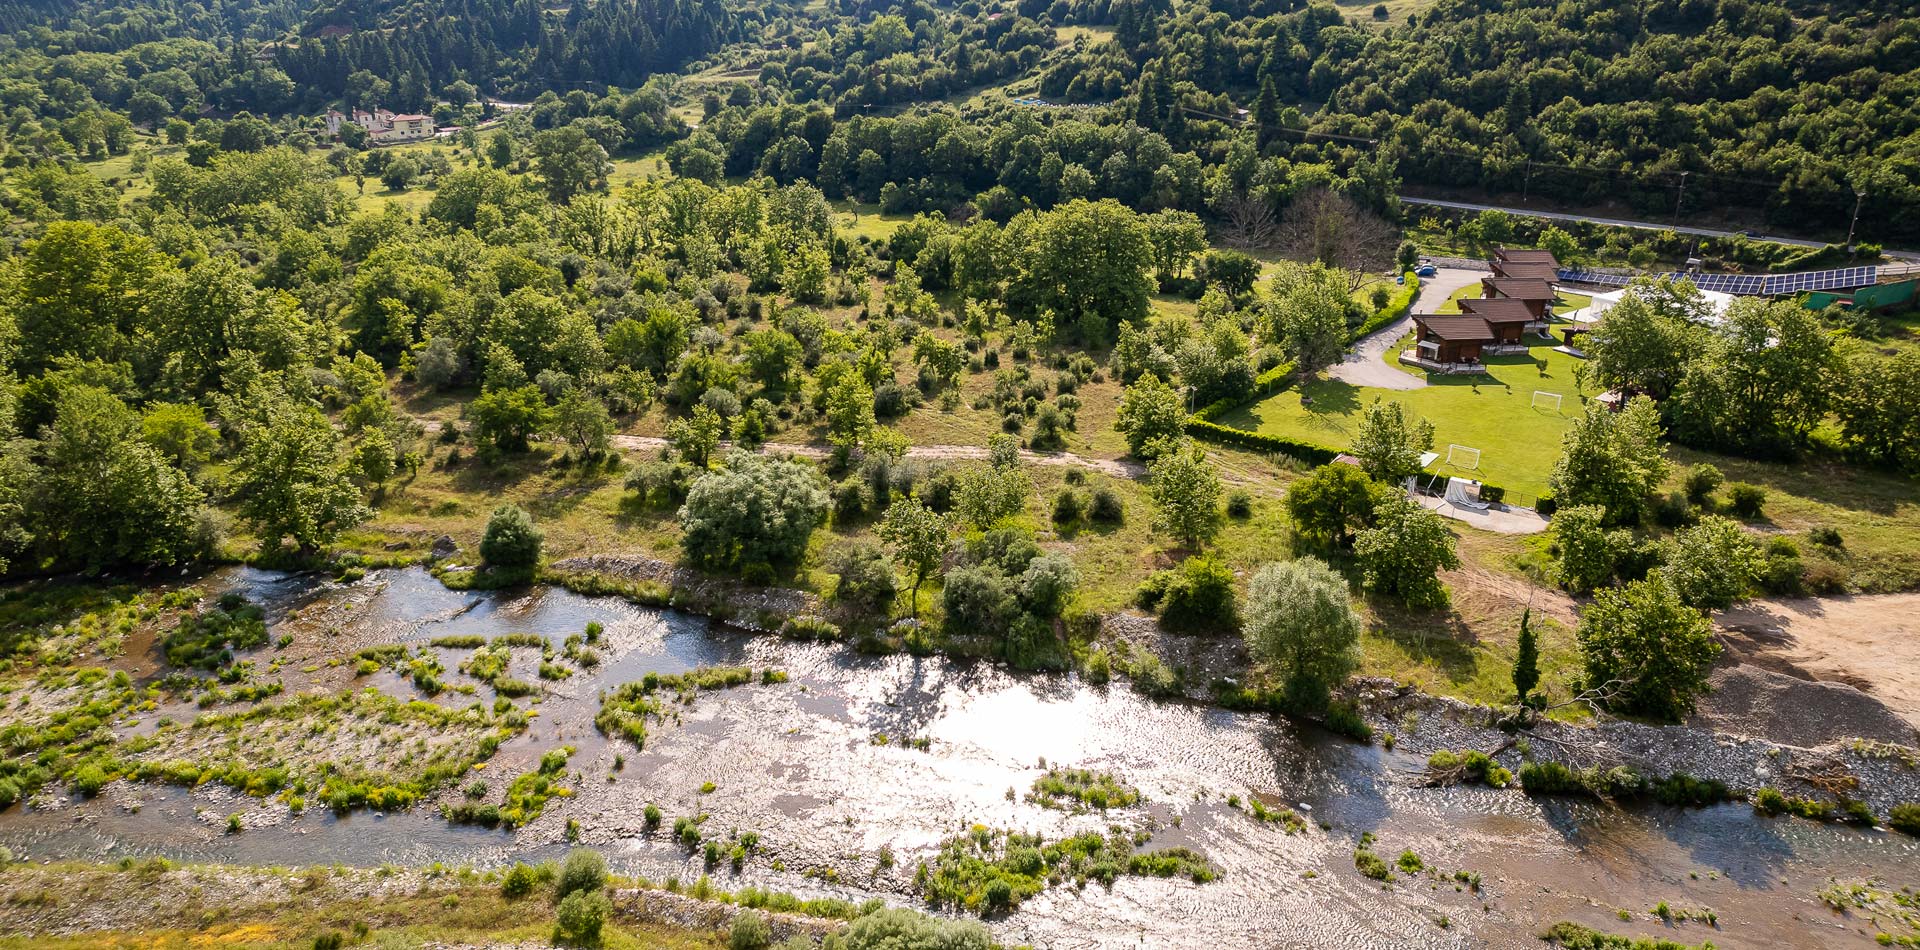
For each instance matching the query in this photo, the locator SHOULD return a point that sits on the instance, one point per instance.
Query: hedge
(1397, 307)
(1268, 378)
(1226, 435)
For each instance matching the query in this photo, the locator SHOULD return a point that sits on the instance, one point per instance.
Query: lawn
(1490, 412)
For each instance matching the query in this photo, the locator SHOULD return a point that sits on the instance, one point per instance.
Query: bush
(866, 578)
(896, 928)
(1702, 481)
(809, 627)
(519, 881)
(1673, 510)
(1550, 778)
(583, 870)
(512, 541)
(1239, 504)
(1344, 718)
(89, 779)
(1826, 536)
(750, 932)
(1066, 507)
(1198, 595)
(1905, 818)
(1106, 507)
(1370, 864)
(580, 917)
(1746, 500)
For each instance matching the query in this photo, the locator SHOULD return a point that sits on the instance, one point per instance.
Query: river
(802, 764)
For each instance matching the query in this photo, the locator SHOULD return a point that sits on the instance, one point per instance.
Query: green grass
(859, 219)
(1452, 303)
(1489, 412)
(1876, 512)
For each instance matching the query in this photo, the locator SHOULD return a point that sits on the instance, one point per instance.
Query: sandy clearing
(1870, 642)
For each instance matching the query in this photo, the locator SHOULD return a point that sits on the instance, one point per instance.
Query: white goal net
(1543, 398)
(1463, 456)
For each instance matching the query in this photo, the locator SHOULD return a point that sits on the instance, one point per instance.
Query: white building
(384, 127)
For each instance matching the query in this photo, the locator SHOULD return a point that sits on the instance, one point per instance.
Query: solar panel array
(1845, 278)
(1745, 285)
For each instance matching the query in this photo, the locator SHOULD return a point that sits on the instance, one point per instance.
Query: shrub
(89, 779)
(1550, 778)
(1826, 536)
(809, 627)
(1344, 718)
(750, 932)
(583, 870)
(1370, 864)
(1905, 818)
(866, 578)
(1198, 595)
(1066, 507)
(519, 881)
(1673, 510)
(1746, 500)
(580, 917)
(1702, 481)
(1239, 504)
(1106, 507)
(512, 541)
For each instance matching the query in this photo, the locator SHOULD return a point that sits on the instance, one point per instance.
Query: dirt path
(1870, 642)
(1362, 365)
(1117, 468)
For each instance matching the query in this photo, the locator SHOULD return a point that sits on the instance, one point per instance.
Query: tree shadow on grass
(1438, 638)
(1330, 397)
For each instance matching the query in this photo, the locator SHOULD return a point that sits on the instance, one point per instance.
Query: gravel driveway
(1362, 366)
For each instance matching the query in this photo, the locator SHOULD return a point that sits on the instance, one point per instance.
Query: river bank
(851, 771)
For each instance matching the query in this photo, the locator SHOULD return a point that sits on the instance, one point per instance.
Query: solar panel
(1745, 285)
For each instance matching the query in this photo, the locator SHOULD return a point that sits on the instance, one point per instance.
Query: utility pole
(1858, 197)
(1681, 197)
(1526, 183)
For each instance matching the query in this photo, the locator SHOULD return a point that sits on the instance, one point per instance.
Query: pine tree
(1526, 661)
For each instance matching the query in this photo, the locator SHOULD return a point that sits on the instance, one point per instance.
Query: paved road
(1627, 223)
(1362, 365)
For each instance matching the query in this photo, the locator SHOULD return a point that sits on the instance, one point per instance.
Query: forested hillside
(1787, 107)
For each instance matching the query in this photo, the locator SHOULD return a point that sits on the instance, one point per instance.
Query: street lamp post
(1858, 197)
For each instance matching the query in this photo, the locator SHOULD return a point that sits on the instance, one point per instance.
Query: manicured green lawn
(1492, 413)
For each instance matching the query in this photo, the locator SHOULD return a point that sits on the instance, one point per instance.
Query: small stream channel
(801, 764)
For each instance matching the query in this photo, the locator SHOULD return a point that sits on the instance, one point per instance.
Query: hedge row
(1397, 307)
(1241, 438)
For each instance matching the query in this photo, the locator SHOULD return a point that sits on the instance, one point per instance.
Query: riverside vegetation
(794, 317)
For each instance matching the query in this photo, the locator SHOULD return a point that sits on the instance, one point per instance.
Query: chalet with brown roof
(1536, 294)
(1523, 270)
(1524, 263)
(1507, 319)
(1449, 342)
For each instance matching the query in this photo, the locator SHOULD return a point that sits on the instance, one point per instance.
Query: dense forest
(1671, 106)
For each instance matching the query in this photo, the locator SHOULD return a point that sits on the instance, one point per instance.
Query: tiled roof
(1523, 270)
(1499, 310)
(1525, 255)
(1520, 288)
(1462, 327)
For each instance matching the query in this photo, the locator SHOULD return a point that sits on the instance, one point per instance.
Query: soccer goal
(1463, 456)
(1543, 398)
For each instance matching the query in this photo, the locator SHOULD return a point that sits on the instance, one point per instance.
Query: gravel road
(1363, 366)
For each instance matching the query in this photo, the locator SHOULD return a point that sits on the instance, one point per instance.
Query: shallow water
(799, 763)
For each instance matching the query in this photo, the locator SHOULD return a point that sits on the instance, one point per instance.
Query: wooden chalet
(1449, 343)
(1519, 263)
(1537, 294)
(1507, 320)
